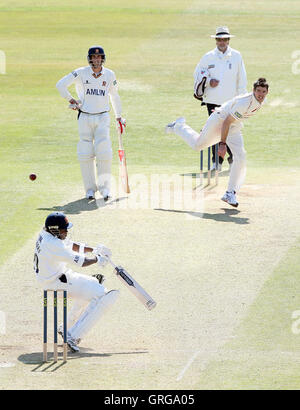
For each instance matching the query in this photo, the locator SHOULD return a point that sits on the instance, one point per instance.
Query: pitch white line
(207, 354)
(189, 363)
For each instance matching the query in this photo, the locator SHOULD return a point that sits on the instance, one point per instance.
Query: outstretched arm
(100, 253)
(89, 261)
(79, 247)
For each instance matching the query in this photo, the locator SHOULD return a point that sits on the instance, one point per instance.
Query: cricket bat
(122, 165)
(133, 286)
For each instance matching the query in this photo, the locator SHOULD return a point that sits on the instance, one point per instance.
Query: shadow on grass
(50, 366)
(196, 175)
(81, 205)
(229, 215)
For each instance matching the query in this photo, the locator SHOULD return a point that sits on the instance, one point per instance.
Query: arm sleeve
(115, 98)
(63, 84)
(241, 79)
(65, 253)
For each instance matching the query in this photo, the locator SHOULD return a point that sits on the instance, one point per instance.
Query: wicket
(45, 330)
(209, 166)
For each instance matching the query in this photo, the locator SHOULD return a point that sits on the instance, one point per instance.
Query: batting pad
(103, 153)
(94, 311)
(104, 176)
(103, 148)
(85, 153)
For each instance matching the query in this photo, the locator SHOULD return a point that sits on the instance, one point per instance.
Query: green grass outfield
(153, 48)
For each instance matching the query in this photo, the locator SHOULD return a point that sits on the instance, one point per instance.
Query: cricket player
(225, 77)
(95, 86)
(53, 252)
(224, 126)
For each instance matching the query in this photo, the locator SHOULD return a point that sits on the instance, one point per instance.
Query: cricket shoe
(230, 198)
(72, 344)
(106, 198)
(170, 127)
(60, 331)
(90, 194)
(106, 195)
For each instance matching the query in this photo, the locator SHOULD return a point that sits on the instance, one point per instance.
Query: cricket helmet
(56, 221)
(95, 50)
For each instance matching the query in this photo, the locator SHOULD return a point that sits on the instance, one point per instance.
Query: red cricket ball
(32, 177)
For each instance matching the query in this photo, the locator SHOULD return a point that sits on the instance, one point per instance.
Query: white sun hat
(222, 32)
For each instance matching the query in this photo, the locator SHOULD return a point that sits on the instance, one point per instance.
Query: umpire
(224, 75)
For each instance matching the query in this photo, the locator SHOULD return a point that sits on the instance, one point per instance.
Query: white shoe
(90, 194)
(72, 344)
(106, 194)
(170, 127)
(230, 198)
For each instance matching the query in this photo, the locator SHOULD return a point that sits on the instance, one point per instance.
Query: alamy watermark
(2, 62)
(296, 64)
(2, 323)
(168, 192)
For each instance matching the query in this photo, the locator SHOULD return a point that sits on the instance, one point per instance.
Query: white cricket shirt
(94, 93)
(52, 256)
(226, 67)
(240, 107)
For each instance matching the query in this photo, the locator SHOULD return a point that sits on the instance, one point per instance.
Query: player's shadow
(195, 175)
(36, 358)
(229, 215)
(82, 205)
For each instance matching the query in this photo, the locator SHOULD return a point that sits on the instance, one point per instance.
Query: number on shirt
(36, 263)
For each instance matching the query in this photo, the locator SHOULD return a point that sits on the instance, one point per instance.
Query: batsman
(96, 86)
(53, 254)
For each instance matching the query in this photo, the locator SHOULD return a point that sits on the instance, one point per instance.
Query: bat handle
(111, 262)
(120, 139)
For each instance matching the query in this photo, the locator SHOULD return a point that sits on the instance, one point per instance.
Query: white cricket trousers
(94, 142)
(90, 301)
(211, 135)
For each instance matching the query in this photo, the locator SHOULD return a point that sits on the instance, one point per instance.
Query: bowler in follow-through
(224, 127)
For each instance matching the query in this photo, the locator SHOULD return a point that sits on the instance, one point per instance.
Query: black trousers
(210, 108)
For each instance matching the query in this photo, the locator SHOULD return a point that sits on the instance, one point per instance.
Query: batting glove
(121, 124)
(102, 250)
(74, 105)
(101, 260)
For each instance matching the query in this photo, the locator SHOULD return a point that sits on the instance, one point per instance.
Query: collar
(227, 53)
(96, 75)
